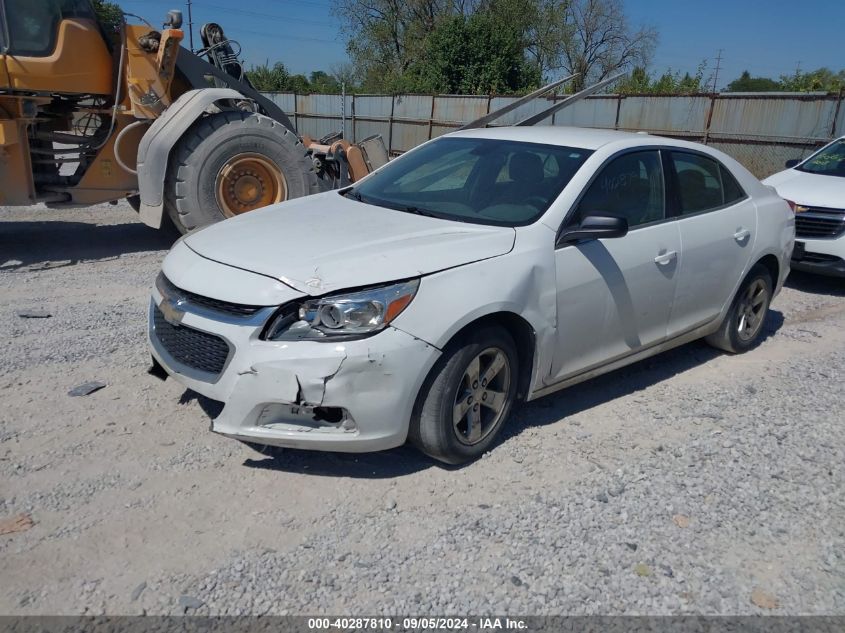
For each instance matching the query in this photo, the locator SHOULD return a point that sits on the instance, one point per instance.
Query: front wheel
(231, 163)
(467, 397)
(742, 328)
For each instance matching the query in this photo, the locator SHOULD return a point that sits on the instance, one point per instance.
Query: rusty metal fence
(761, 131)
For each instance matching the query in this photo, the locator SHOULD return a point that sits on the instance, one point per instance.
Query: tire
(433, 429)
(741, 331)
(263, 151)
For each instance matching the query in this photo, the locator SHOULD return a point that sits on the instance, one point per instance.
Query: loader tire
(233, 162)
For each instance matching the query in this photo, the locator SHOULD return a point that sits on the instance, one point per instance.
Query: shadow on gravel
(622, 382)
(406, 460)
(57, 244)
(397, 462)
(816, 284)
(383, 465)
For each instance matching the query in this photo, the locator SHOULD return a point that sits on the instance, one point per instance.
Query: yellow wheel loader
(91, 113)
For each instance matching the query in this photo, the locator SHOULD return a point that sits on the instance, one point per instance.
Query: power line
(265, 16)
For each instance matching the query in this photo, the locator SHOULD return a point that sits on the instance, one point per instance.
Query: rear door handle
(742, 235)
(666, 258)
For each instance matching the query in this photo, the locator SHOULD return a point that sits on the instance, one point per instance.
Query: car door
(718, 225)
(614, 296)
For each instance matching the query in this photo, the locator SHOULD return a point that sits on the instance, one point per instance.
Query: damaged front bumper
(351, 396)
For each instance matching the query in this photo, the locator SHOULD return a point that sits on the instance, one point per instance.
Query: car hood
(326, 242)
(811, 190)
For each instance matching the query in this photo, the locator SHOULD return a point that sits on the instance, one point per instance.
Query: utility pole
(798, 68)
(718, 67)
(190, 27)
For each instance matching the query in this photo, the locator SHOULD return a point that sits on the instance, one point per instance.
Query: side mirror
(595, 227)
(792, 162)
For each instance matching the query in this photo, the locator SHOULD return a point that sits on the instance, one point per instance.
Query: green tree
(109, 14)
(323, 83)
(387, 37)
(599, 41)
(275, 78)
(747, 83)
(479, 54)
(670, 82)
(819, 80)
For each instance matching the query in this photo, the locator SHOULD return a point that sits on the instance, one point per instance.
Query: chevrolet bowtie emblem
(800, 209)
(171, 311)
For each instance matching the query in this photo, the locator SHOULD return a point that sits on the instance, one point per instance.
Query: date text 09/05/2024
(422, 623)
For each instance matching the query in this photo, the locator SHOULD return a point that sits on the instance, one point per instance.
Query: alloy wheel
(482, 395)
(752, 310)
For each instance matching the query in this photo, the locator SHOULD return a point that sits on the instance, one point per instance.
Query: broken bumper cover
(277, 393)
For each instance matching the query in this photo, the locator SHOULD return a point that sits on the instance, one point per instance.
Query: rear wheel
(231, 163)
(467, 397)
(742, 328)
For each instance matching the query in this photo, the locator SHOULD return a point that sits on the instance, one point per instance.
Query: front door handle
(742, 235)
(666, 258)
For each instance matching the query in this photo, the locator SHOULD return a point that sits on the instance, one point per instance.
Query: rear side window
(703, 183)
(733, 192)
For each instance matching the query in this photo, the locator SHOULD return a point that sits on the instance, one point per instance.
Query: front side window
(479, 180)
(630, 186)
(828, 162)
(703, 183)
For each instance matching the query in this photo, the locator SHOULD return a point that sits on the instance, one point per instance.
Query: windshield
(828, 162)
(484, 181)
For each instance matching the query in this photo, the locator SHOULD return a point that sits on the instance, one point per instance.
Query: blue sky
(767, 37)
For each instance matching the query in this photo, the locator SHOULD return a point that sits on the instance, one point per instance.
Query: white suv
(481, 268)
(816, 187)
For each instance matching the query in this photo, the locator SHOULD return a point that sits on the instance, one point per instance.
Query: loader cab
(53, 46)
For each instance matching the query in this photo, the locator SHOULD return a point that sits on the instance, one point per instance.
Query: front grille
(820, 222)
(224, 307)
(198, 350)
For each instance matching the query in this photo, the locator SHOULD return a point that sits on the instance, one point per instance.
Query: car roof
(581, 137)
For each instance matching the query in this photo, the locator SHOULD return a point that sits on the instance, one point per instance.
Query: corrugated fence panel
(780, 117)
(412, 106)
(761, 131)
(840, 121)
(520, 113)
(597, 112)
(365, 128)
(407, 136)
(459, 109)
(282, 99)
(670, 115)
(372, 105)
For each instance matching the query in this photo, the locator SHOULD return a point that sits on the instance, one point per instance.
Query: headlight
(353, 314)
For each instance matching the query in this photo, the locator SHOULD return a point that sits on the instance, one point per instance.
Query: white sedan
(817, 187)
(483, 268)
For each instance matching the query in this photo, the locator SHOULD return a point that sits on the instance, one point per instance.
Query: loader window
(33, 26)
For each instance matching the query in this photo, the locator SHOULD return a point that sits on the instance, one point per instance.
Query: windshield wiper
(418, 211)
(354, 195)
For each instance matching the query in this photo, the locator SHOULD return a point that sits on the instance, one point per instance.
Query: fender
(156, 144)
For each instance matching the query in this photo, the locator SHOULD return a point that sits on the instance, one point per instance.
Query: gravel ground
(693, 482)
